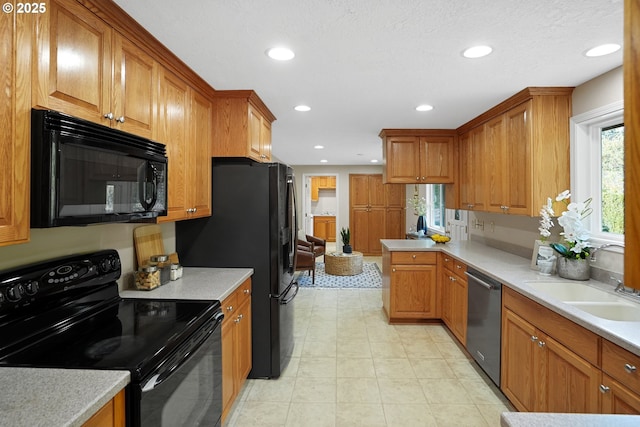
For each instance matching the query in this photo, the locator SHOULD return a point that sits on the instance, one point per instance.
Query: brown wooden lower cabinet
(618, 399)
(324, 227)
(454, 293)
(236, 344)
(112, 414)
(411, 292)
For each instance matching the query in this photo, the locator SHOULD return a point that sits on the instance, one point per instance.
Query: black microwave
(84, 173)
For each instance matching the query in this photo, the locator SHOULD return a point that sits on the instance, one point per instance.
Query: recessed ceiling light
(424, 107)
(324, 161)
(318, 147)
(374, 161)
(602, 50)
(302, 108)
(280, 53)
(477, 51)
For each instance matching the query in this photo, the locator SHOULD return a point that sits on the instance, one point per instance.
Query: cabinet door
(518, 151)
(15, 122)
(199, 176)
(376, 220)
(376, 191)
(617, 399)
(135, 94)
(466, 161)
(519, 361)
(174, 102)
(359, 191)
(570, 382)
(74, 62)
(255, 129)
(497, 169)
(403, 159)
(437, 159)
(413, 291)
(459, 303)
(446, 298)
(320, 227)
(394, 223)
(331, 230)
(265, 141)
(243, 343)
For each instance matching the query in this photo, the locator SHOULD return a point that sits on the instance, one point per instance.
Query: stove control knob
(15, 292)
(32, 287)
(115, 263)
(105, 265)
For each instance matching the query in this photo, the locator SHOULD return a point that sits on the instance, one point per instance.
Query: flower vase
(422, 224)
(574, 269)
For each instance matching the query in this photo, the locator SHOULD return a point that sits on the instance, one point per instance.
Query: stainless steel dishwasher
(484, 322)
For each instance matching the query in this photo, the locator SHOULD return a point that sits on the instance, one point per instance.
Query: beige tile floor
(351, 368)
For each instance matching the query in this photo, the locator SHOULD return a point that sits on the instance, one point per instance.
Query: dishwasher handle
(480, 282)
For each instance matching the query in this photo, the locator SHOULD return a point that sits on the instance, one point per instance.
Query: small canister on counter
(163, 264)
(176, 271)
(147, 278)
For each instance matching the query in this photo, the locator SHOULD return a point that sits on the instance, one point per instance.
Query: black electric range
(66, 313)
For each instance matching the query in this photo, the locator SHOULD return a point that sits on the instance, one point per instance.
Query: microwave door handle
(151, 171)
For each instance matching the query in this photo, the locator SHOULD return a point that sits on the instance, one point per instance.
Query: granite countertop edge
(514, 271)
(197, 283)
(56, 397)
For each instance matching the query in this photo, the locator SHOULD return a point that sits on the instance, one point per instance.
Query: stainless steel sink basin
(594, 301)
(622, 312)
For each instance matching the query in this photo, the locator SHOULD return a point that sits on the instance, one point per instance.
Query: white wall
(61, 241)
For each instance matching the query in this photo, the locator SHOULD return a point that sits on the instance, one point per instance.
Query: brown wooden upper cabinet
(88, 70)
(424, 156)
(321, 183)
(242, 126)
(516, 155)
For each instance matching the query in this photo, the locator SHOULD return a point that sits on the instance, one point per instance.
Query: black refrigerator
(253, 224)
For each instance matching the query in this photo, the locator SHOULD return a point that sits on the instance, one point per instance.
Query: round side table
(341, 264)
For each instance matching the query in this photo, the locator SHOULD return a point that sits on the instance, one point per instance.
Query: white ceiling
(364, 65)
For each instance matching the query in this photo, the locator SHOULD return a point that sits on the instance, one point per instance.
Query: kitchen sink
(567, 291)
(620, 311)
(594, 301)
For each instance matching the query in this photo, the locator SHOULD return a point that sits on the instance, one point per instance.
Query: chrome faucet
(605, 246)
(619, 285)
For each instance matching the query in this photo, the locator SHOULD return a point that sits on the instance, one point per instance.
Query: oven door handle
(162, 373)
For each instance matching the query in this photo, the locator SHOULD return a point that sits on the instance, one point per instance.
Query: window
(435, 206)
(597, 169)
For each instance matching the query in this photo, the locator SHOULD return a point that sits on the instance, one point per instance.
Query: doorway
(320, 206)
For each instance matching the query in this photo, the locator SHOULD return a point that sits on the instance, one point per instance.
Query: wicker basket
(339, 264)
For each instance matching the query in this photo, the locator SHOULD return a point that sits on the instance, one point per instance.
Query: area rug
(369, 278)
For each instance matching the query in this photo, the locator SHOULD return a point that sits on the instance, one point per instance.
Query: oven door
(186, 390)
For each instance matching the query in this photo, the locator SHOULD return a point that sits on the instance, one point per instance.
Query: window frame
(429, 196)
(585, 157)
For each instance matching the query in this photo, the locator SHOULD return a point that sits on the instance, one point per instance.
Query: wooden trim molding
(632, 141)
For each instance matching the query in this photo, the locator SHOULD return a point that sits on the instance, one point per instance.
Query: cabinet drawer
(447, 261)
(243, 292)
(229, 307)
(459, 269)
(621, 365)
(413, 257)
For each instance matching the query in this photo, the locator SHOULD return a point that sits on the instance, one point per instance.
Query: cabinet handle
(447, 260)
(470, 206)
(629, 368)
(109, 116)
(393, 269)
(246, 291)
(417, 178)
(413, 256)
(459, 267)
(604, 389)
(541, 344)
(230, 308)
(239, 318)
(453, 279)
(120, 119)
(534, 338)
(423, 178)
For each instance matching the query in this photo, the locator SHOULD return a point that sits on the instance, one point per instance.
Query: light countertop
(514, 271)
(539, 419)
(55, 397)
(197, 284)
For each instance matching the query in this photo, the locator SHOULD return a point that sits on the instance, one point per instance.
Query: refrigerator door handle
(288, 300)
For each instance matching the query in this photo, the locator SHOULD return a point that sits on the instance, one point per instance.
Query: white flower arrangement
(419, 205)
(576, 235)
